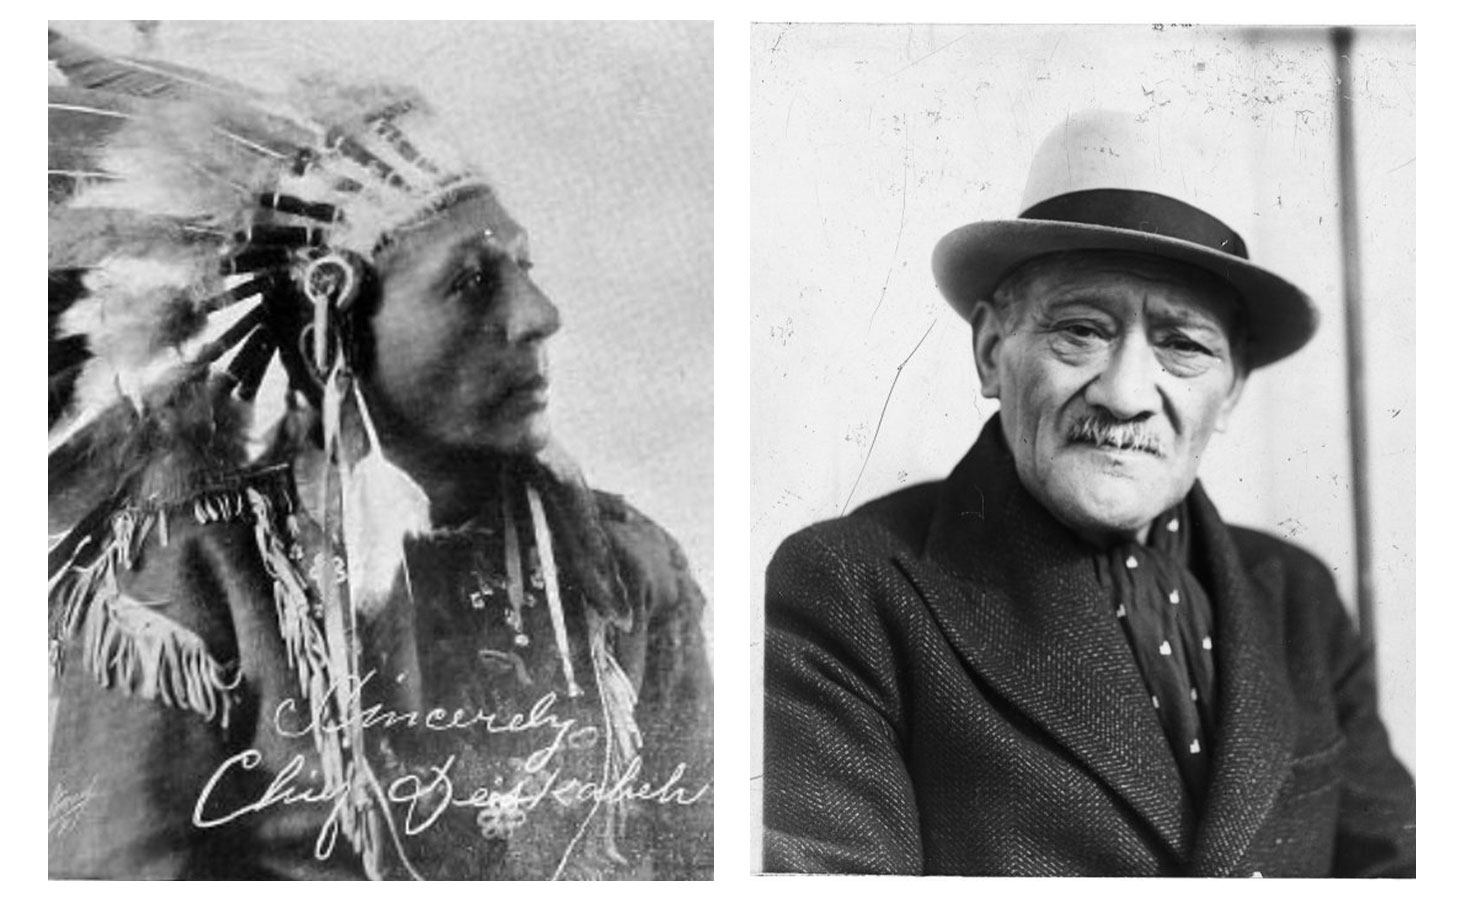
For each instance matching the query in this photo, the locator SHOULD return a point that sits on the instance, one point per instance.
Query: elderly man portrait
(327, 597)
(1064, 653)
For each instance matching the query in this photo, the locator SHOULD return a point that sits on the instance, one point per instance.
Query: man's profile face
(459, 339)
(1112, 371)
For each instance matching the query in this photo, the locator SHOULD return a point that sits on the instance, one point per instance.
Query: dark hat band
(1140, 211)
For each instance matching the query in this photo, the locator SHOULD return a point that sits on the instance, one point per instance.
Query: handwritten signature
(290, 721)
(66, 807)
(539, 717)
(426, 799)
(422, 799)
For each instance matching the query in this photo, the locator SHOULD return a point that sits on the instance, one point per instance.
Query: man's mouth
(1116, 436)
(531, 390)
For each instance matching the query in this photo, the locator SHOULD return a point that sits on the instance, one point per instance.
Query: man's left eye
(1185, 345)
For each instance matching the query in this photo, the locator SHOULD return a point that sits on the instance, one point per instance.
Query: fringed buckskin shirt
(950, 691)
(500, 726)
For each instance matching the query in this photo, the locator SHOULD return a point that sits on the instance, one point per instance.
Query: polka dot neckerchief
(1167, 619)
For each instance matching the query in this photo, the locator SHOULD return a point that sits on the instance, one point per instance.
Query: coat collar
(1016, 594)
(1256, 706)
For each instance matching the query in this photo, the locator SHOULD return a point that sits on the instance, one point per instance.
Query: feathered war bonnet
(209, 246)
(195, 223)
(203, 238)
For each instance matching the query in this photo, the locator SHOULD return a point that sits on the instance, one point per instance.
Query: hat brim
(970, 262)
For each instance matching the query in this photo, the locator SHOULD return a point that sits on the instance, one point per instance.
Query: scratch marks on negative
(926, 56)
(971, 512)
(902, 220)
(784, 500)
(779, 35)
(882, 415)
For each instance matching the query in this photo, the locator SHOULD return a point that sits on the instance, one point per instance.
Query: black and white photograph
(1083, 450)
(380, 535)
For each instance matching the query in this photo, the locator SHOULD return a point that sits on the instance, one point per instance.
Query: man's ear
(988, 328)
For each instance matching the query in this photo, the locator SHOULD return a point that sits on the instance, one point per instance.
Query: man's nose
(531, 316)
(1127, 387)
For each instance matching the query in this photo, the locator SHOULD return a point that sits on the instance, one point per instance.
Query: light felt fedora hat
(1103, 181)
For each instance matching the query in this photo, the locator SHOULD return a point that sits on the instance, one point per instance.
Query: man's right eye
(474, 282)
(1081, 331)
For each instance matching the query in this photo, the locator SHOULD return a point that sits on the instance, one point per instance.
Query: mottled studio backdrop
(868, 143)
(599, 139)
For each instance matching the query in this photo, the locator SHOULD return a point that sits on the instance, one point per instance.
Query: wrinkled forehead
(472, 223)
(1130, 282)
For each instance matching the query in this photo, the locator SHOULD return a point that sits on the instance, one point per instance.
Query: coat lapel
(1255, 704)
(1017, 596)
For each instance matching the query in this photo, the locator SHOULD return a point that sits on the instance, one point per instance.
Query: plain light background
(868, 143)
(599, 139)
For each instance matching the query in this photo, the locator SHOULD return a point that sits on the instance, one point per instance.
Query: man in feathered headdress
(325, 601)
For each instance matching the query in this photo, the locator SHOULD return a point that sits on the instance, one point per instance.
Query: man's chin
(526, 438)
(535, 441)
(1113, 505)
(522, 437)
(532, 434)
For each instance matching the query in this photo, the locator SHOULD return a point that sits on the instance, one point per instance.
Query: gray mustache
(1120, 435)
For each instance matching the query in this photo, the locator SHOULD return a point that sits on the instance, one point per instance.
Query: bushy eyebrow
(1061, 304)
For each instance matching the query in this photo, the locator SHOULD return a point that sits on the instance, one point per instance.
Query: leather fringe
(619, 699)
(125, 644)
(304, 642)
(343, 766)
(148, 655)
(623, 741)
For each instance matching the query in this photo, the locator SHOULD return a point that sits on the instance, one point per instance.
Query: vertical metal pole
(1343, 40)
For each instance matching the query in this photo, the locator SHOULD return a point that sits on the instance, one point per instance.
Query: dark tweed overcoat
(948, 692)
